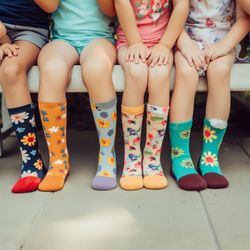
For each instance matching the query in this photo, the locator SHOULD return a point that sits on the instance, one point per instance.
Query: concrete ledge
(240, 79)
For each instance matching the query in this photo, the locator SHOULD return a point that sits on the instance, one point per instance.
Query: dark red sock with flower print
(33, 171)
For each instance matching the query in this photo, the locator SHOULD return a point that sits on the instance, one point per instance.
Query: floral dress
(152, 17)
(210, 20)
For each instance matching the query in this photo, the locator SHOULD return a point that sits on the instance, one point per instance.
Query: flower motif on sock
(29, 173)
(105, 173)
(104, 115)
(187, 163)
(29, 139)
(176, 152)
(58, 162)
(185, 135)
(111, 160)
(209, 159)
(105, 142)
(25, 155)
(114, 116)
(53, 129)
(103, 123)
(38, 164)
(209, 134)
(20, 130)
(32, 121)
(16, 118)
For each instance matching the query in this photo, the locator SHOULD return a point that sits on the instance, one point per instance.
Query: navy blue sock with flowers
(209, 164)
(182, 165)
(33, 171)
(105, 116)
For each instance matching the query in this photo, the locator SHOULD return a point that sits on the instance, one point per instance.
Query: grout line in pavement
(34, 221)
(211, 226)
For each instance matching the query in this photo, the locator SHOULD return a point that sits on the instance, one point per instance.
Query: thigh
(99, 50)
(27, 56)
(58, 51)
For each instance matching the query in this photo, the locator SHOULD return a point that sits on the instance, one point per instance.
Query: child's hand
(138, 51)
(9, 50)
(216, 50)
(195, 56)
(159, 55)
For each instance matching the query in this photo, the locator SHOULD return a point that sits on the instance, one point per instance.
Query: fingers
(190, 60)
(1, 55)
(155, 60)
(196, 62)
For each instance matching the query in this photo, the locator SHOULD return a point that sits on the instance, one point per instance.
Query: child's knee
(136, 72)
(220, 70)
(159, 74)
(10, 72)
(184, 71)
(52, 67)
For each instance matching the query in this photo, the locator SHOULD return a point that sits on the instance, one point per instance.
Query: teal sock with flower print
(105, 116)
(33, 171)
(182, 165)
(209, 164)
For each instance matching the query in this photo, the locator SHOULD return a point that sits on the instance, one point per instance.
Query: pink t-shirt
(152, 17)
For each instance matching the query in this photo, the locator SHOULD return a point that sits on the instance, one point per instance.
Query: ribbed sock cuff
(133, 110)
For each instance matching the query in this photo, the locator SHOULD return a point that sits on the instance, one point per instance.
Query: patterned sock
(182, 165)
(54, 121)
(105, 115)
(33, 171)
(156, 127)
(132, 124)
(209, 165)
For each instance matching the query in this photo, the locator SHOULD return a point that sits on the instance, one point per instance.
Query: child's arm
(2, 30)
(107, 7)
(245, 5)
(127, 21)
(48, 6)
(173, 30)
(233, 37)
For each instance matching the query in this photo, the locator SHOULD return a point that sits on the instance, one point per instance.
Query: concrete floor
(80, 218)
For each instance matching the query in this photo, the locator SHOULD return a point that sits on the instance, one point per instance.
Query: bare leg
(136, 79)
(181, 113)
(157, 114)
(186, 81)
(97, 61)
(13, 74)
(217, 112)
(218, 75)
(158, 84)
(55, 64)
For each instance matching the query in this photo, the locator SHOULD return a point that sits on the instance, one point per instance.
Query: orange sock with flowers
(54, 121)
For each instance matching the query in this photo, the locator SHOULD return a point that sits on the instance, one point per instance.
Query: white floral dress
(210, 20)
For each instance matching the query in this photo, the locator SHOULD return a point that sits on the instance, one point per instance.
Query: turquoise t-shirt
(81, 21)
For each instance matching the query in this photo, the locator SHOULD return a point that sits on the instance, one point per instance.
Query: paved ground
(79, 218)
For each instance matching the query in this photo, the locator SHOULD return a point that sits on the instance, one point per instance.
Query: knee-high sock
(33, 171)
(54, 121)
(132, 124)
(105, 116)
(156, 127)
(182, 164)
